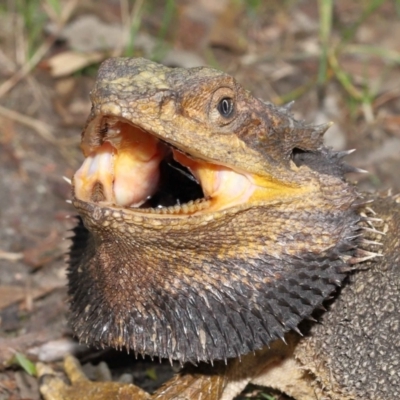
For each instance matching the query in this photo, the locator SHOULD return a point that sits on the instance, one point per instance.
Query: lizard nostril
(98, 193)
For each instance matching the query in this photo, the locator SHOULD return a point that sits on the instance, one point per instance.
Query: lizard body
(218, 266)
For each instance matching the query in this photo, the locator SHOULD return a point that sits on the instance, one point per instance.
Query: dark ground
(274, 48)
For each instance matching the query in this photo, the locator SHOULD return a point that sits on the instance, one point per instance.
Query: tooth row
(187, 208)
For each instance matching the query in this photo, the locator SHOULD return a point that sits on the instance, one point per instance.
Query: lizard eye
(225, 107)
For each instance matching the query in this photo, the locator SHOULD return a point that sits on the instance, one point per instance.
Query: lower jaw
(138, 221)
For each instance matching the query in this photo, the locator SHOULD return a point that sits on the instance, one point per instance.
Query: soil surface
(274, 48)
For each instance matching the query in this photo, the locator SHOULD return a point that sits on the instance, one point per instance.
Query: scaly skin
(224, 278)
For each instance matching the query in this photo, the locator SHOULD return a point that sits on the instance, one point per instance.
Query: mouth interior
(128, 167)
(177, 186)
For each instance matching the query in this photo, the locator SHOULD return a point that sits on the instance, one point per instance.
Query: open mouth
(128, 167)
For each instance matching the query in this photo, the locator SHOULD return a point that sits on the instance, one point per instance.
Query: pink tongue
(135, 180)
(127, 168)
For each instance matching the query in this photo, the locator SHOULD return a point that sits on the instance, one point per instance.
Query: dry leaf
(88, 33)
(67, 63)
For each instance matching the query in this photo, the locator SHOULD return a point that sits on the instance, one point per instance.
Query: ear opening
(299, 156)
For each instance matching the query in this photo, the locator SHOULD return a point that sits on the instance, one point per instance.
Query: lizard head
(212, 222)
